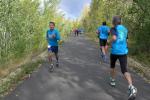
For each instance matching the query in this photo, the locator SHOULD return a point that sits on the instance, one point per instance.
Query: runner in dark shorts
(76, 32)
(53, 36)
(119, 51)
(103, 33)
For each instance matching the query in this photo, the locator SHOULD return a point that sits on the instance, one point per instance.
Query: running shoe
(132, 93)
(112, 82)
(51, 68)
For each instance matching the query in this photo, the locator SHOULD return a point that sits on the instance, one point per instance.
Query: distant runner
(103, 33)
(53, 36)
(76, 32)
(119, 51)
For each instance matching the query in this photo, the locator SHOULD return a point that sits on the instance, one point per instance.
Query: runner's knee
(123, 63)
(124, 70)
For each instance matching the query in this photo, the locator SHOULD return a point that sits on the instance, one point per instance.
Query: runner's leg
(132, 89)
(102, 47)
(123, 64)
(103, 50)
(113, 59)
(106, 49)
(105, 46)
(49, 55)
(56, 55)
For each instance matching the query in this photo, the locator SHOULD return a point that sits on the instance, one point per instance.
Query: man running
(119, 51)
(74, 31)
(103, 33)
(77, 32)
(53, 36)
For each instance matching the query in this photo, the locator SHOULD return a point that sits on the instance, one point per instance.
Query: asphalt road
(79, 77)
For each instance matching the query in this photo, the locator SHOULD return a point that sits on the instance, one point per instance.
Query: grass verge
(8, 83)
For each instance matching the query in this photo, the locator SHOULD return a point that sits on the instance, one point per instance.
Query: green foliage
(23, 25)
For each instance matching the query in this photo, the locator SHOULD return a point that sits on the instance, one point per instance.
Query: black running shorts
(122, 59)
(103, 42)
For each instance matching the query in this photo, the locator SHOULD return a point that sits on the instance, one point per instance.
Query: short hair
(104, 23)
(52, 23)
(116, 20)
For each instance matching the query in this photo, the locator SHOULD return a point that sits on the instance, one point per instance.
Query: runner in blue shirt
(119, 51)
(103, 33)
(53, 36)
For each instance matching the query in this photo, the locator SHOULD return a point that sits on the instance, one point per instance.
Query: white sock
(112, 79)
(130, 86)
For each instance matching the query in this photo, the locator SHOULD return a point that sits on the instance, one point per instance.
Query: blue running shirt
(119, 46)
(49, 35)
(103, 32)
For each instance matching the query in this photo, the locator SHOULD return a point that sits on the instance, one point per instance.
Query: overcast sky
(73, 8)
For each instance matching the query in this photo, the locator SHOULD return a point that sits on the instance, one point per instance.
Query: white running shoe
(132, 93)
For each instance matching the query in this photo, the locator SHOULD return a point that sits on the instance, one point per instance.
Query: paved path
(80, 77)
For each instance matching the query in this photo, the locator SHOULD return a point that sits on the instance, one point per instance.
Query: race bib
(49, 46)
